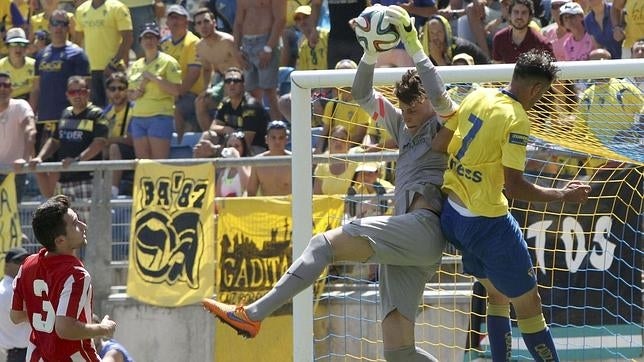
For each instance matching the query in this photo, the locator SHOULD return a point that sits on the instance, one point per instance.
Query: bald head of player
(533, 74)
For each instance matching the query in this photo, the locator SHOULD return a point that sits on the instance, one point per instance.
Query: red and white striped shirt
(48, 286)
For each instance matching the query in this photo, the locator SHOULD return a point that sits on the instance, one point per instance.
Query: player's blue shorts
(492, 248)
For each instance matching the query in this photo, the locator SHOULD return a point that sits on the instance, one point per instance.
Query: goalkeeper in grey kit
(408, 246)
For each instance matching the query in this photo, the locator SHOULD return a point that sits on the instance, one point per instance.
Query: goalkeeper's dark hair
(48, 221)
(410, 88)
(537, 65)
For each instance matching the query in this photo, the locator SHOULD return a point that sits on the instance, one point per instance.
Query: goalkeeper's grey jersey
(418, 168)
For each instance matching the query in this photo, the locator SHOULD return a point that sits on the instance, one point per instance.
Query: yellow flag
(172, 249)
(254, 242)
(254, 250)
(10, 231)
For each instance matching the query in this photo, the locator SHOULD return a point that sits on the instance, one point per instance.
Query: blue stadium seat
(184, 149)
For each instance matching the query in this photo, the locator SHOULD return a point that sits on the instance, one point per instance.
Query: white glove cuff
(419, 56)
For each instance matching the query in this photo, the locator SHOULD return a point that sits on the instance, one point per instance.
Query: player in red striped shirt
(53, 291)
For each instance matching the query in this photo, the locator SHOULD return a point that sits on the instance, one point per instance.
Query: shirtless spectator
(272, 181)
(217, 52)
(258, 28)
(519, 37)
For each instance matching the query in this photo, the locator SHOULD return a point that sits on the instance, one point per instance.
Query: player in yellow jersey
(487, 153)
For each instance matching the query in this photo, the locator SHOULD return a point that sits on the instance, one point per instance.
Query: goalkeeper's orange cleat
(234, 316)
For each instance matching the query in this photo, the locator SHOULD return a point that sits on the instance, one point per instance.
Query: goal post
(302, 84)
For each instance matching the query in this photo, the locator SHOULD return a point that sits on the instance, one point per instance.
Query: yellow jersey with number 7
(491, 131)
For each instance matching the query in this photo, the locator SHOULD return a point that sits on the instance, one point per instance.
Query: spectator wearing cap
(143, 12)
(239, 111)
(579, 45)
(628, 20)
(366, 181)
(259, 39)
(18, 130)
(154, 82)
(598, 24)
(40, 21)
(556, 32)
(272, 181)
(18, 65)
(181, 44)
(519, 37)
(40, 40)
(57, 62)
(105, 30)
(292, 35)
(13, 337)
(311, 52)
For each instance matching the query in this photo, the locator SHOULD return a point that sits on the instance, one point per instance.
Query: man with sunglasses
(54, 65)
(240, 111)
(17, 64)
(80, 135)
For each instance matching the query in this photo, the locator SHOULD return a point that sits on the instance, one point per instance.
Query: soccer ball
(373, 31)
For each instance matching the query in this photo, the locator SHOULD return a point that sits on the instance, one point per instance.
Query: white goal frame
(301, 84)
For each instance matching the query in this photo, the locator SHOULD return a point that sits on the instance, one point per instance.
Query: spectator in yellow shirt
(182, 46)
(18, 65)
(154, 82)
(40, 21)
(105, 26)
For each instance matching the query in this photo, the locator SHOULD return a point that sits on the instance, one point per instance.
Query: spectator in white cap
(182, 46)
(17, 64)
(580, 43)
(556, 33)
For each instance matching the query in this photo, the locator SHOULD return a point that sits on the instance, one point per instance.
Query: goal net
(587, 258)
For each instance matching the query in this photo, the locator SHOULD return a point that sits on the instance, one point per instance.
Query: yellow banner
(254, 242)
(254, 249)
(10, 231)
(172, 249)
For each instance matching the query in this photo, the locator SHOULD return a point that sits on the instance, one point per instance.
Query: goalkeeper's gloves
(369, 56)
(408, 33)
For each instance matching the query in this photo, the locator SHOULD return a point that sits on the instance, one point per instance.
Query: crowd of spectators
(123, 79)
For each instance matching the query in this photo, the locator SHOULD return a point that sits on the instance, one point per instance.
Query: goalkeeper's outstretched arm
(432, 81)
